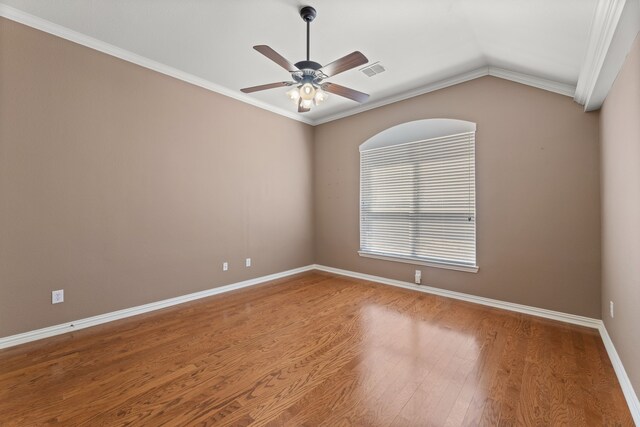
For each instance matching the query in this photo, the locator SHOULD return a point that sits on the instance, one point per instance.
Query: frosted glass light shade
(319, 96)
(307, 91)
(294, 94)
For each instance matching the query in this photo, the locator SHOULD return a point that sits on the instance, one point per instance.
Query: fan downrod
(308, 14)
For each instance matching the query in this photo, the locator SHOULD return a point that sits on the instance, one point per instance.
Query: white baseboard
(625, 383)
(50, 331)
(534, 311)
(623, 379)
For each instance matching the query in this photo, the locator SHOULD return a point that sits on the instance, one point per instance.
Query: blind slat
(417, 200)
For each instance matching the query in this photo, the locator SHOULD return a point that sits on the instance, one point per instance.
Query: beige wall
(124, 186)
(620, 140)
(538, 202)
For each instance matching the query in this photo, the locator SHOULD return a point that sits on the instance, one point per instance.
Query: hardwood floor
(316, 349)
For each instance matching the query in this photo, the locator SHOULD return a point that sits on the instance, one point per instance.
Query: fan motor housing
(308, 14)
(308, 75)
(308, 65)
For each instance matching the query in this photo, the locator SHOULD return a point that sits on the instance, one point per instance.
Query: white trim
(466, 268)
(431, 87)
(63, 328)
(526, 79)
(623, 379)
(84, 40)
(603, 27)
(625, 383)
(534, 311)
(90, 42)
(540, 83)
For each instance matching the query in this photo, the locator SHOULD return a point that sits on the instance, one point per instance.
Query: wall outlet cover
(57, 296)
(418, 277)
(611, 308)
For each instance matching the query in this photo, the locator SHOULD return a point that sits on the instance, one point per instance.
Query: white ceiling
(418, 41)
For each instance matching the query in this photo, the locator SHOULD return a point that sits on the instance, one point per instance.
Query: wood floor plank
(509, 374)
(414, 357)
(265, 374)
(534, 403)
(422, 408)
(316, 349)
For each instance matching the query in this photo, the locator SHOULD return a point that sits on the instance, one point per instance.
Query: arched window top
(418, 130)
(417, 194)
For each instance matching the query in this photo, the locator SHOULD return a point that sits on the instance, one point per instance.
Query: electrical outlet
(611, 308)
(418, 277)
(247, 262)
(225, 266)
(57, 296)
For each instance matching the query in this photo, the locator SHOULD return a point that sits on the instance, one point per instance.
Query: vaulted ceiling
(422, 44)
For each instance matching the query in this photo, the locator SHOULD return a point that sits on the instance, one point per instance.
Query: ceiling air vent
(373, 69)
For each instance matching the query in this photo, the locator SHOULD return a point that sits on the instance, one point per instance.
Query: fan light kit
(308, 86)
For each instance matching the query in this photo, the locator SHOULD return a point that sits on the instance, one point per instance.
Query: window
(417, 194)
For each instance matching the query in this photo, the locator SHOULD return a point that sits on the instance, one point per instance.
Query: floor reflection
(412, 360)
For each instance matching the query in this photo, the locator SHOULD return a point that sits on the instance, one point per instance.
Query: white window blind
(417, 200)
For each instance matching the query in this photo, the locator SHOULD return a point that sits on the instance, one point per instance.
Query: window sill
(468, 269)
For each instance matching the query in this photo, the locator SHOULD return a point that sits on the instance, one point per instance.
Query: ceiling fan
(309, 87)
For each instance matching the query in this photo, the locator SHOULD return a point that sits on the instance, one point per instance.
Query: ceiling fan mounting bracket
(308, 14)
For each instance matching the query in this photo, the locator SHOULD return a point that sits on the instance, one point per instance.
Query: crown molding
(92, 43)
(32, 21)
(540, 83)
(526, 79)
(603, 27)
(431, 87)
